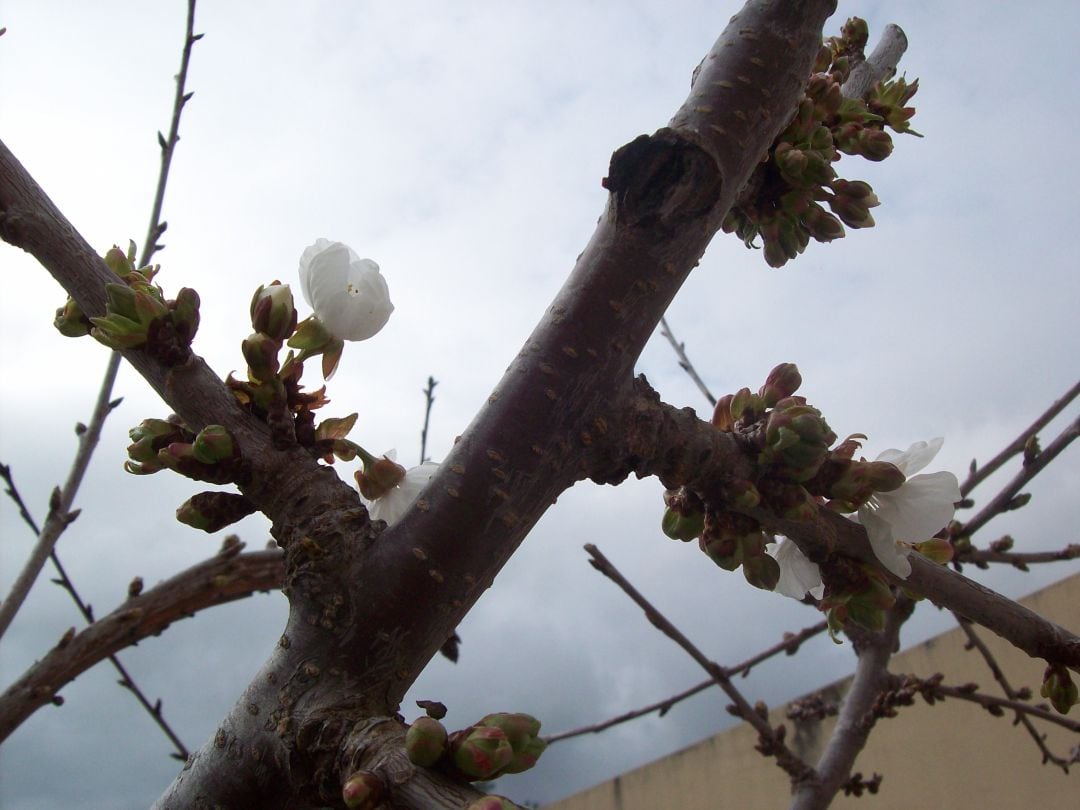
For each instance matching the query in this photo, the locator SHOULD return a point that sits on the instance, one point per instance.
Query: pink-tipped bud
(481, 752)
(363, 790)
(783, 381)
(425, 741)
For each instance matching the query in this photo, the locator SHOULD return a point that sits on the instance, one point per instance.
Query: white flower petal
(392, 506)
(921, 507)
(348, 294)
(797, 574)
(891, 555)
(914, 458)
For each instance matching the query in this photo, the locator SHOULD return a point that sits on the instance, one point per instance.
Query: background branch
(789, 645)
(226, 577)
(770, 741)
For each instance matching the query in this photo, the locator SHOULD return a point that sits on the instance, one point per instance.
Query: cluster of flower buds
(498, 744)
(137, 314)
(210, 455)
(1059, 689)
(272, 390)
(860, 595)
(786, 210)
(796, 470)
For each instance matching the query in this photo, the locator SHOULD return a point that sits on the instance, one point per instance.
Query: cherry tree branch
(684, 361)
(978, 474)
(226, 577)
(64, 581)
(60, 514)
(1003, 501)
(856, 717)
(975, 642)
(1019, 559)
(770, 741)
(790, 645)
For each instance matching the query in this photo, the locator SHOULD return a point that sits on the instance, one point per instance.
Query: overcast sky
(461, 145)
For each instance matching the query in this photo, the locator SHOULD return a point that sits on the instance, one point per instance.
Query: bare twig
(1019, 560)
(684, 361)
(790, 645)
(1003, 501)
(225, 577)
(770, 741)
(60, 512)
(988, 701)
(974, 641)
(979, 474)
(154, 709)
(429, 400)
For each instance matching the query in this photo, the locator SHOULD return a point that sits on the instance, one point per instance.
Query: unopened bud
(379, 476)
(783, 381)
(272, 311)
(425, 741)
(936, 549)
(481, 752)
(213, 444)
(363, 790)
(70, 320)
(1059, 689)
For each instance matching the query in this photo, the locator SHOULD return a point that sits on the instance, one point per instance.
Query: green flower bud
(185, 314)
(213, 511)
(120, 300)
(118, 261)
(272, 311)
(682, 527)
(1058, 688)
(936, 549)
(425, 741)
(481, 752)
(261, 353)
(855, 32)
(213, 444)
(71, 321)
(761, 571)
(117, 332)
(522, 731)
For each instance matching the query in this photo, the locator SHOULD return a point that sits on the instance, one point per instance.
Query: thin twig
(979, 474)
(790, 645)
(964, 693)
(1002, 502)
(64, 581)
(60, 512)
(429, 400)
(976, 642)
(60, 515)
(1019, 560)
(227, 576)
(770, 741)
(684, 361)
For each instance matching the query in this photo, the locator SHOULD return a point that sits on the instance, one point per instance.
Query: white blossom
(348, 294)
(392, 506)
(919, 509)
(797, 574)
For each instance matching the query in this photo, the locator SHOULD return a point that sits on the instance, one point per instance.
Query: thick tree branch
(856, 716)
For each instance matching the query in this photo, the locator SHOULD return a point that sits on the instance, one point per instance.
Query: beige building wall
(950, 755)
